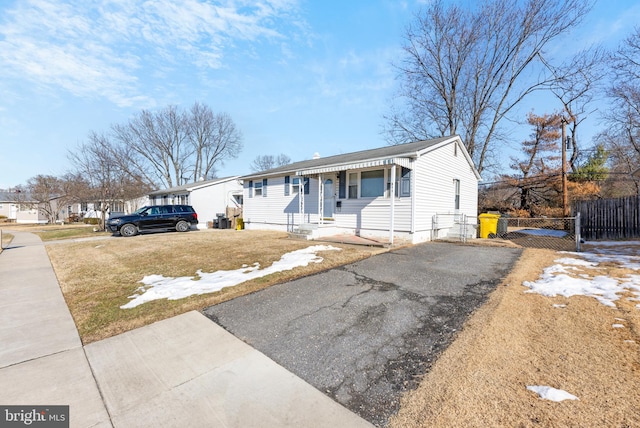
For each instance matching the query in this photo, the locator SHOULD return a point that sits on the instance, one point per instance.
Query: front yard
(517, 340)
(97, 277)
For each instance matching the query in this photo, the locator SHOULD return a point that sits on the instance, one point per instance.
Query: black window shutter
(342, 187)
(405, 182)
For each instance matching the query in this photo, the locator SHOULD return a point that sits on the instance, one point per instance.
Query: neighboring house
(434, 185)
(209, 198)
(20, 208)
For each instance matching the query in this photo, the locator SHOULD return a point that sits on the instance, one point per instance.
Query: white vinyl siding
(278, 209)
(374, 214)
(434, 188)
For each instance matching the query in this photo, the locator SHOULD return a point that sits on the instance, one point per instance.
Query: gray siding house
(415, 192)
(21, 208)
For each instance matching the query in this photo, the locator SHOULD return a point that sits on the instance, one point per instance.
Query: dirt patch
(518, 339)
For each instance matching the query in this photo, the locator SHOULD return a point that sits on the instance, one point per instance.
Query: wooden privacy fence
(609, 218)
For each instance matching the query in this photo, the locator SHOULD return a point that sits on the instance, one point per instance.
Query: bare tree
(213, 138)
(100, 178)
(50, 193)
(265, 162)
(575, 84)
(622, 136)
(171, 147)
(465, 70)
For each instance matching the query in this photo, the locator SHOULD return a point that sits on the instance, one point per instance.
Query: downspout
(392, 195)
(412, 195)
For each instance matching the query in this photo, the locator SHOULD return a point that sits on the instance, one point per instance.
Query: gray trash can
(222, 221)
(503, 224)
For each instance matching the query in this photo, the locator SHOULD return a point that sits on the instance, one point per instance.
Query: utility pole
(565, 198)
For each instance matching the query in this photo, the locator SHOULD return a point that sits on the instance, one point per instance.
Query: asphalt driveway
(365, 332)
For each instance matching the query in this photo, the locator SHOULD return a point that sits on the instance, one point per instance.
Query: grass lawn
(52, 232)
(518, 339)
(98, 276)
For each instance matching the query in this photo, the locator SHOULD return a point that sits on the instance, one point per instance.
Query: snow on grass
(557, 280)
(161, 287)
(553, 394)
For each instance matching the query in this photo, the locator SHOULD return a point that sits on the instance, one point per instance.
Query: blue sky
(296, 76)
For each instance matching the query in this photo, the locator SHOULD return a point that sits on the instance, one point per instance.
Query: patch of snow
(562, 278)
(161, 287)
(603, 288)
(576, 262)
(559, 306)
(612, 243)
(544, 232)
(553, 394)
(617, 326)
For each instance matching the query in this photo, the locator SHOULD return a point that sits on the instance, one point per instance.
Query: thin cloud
(103, 48)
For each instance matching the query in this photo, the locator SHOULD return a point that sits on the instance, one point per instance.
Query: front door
(329, 197)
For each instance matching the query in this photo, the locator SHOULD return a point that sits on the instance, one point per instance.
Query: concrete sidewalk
(183, 371)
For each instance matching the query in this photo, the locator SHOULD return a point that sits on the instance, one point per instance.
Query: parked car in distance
(154, 218)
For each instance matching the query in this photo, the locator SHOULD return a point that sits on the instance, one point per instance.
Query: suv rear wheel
(128, 230)
(182, 226)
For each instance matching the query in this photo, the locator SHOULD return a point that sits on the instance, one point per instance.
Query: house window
(455, 149)
(257, 188)
(251, 188)
(296, 185)
(353, 185)
(456, 185)
(287, 185)
(372, 183)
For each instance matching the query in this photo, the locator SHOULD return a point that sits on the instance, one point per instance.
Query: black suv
(155, 217)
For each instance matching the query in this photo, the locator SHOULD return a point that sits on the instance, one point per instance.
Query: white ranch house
(209, 198)
(415, 192)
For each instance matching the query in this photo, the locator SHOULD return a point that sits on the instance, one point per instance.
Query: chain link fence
(562, 234)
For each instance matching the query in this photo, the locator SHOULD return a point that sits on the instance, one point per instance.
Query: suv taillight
(195, 216)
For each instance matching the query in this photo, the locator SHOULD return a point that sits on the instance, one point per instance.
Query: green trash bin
(488, 225)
